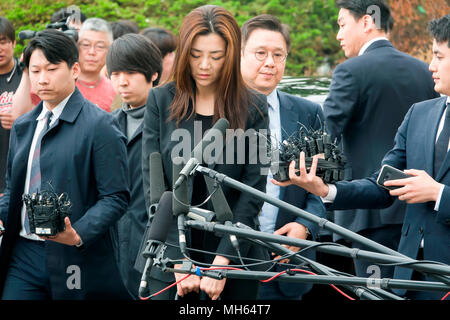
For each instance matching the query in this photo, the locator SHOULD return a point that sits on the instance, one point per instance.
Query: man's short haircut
(360, 8)
(440, 29)
(56, 46)
(134, 52)
(164, 39)
(266, 22)
(97, 24)
(7, 29)
(121, 27)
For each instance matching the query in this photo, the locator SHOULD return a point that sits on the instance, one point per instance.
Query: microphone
(26, 34)
(220, 204)
(159, 230)
(180, 203)
(156, 181)
(197, 154)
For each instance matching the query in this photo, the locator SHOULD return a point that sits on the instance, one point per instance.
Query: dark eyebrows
(216, 51)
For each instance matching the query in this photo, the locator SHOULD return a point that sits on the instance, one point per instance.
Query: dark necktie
(35, 172)
(441, 147)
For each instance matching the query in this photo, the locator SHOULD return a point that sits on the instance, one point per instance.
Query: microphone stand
(442, 271)
(315, 279)
(361, 292)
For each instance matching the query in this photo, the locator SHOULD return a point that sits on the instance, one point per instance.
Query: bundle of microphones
(331, 163)
(46, 212)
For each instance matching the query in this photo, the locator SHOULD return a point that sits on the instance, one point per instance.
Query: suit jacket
(131, 227)
(157, 137)
(369, 97)
(413, 149)
(292, 111)
(84, 155)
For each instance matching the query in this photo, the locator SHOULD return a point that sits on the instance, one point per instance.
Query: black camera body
(46, 212)
(60, 25)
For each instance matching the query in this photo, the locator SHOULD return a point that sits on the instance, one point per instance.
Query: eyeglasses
(277, 56)
(99, 47)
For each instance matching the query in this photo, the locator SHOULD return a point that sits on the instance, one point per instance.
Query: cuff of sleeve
(438, 202)
(331, 196)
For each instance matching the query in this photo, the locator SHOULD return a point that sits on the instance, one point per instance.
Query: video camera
(46, 212)
(59, 25)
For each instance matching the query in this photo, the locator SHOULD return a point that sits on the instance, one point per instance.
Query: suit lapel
(446, 163)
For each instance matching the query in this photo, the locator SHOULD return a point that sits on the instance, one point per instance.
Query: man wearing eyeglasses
(94, 39)
(265, 45)
(10, 74)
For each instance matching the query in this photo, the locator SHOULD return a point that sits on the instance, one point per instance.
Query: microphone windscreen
(180, 197)
(26, 34)
(156, 177)
(163, 218)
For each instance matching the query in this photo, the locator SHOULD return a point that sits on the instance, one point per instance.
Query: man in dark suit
(64, 145)
(134, 66)
(421, 146)
(369, 96)
(265, 47)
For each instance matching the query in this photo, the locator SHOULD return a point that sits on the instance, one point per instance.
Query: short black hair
(7, 29)
(164, 39)
(134, 52)
(56, 46)
(440, 29)
(266, 22)
(359, 8)
(121, 27)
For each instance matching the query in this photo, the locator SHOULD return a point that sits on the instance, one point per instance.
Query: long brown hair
(233, 98)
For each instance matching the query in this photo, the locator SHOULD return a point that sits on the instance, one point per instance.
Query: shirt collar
(56, 112)
(367, 44)
(272, 99)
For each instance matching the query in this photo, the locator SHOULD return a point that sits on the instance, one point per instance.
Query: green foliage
(312, 22)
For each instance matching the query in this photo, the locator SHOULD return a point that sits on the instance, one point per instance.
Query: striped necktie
(35, 172)
(441, 147)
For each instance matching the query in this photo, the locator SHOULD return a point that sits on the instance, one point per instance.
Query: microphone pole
(324, 223)
(361, 292)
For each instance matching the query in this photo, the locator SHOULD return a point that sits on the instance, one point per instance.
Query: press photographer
(73, 145)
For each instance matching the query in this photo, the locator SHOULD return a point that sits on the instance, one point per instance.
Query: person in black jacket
(134, 65)
(207, 86)
(370, 94)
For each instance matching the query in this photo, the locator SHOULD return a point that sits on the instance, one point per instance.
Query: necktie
(35, 172)
(441, 147)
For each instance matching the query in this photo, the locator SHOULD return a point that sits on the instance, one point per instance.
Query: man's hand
(7, 119)
(292, 230)
(1, 224)
(308, 181)
(69, 236)
(418, 189)
(212, 287)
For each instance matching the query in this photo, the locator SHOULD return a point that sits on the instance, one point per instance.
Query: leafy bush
(312, 22)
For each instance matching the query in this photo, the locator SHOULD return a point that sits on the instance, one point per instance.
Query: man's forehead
(264, 38)
(93, 35)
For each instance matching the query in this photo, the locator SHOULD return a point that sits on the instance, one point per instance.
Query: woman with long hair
(207, 85)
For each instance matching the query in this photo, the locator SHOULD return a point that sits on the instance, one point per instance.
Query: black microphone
(197, 154)
(156, 181)
(157, 236)
(180, 203)
(26, 34)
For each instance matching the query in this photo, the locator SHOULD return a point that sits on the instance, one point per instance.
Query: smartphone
(390, 173)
